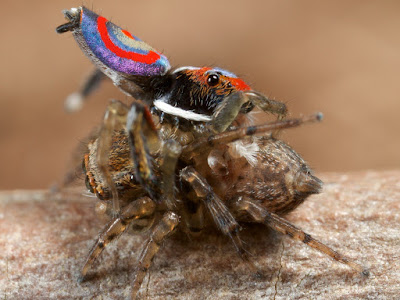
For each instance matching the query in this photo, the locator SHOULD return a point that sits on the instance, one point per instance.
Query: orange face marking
(239, 84)
(200, 76)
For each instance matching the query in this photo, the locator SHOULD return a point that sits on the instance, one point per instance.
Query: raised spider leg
(74, 101)
(218, 210)
(142, 207)
(227, 112)
(164, 228)
(211, 141)
(143, 138)
(261, 215)
(114, 119)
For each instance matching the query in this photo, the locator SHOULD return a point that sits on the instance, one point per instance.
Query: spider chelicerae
(183, 156)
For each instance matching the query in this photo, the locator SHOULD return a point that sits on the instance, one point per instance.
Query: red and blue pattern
(118, 49)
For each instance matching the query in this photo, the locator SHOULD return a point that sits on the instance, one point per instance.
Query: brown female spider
(184, 157)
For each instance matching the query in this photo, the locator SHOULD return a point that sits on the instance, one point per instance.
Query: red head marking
(239, 84)
(200, 75)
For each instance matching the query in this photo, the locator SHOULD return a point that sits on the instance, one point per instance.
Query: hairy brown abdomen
(279, 178)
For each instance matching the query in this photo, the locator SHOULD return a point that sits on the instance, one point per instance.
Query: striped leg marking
(143, 207)
(223, 219)
(164, 228)
(261, 215)
(231, 136)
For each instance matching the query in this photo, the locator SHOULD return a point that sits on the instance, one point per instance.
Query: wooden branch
(44, 239)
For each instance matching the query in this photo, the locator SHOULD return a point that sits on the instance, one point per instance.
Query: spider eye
(212, 79)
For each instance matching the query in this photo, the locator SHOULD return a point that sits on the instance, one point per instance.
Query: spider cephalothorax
(146, 168)
(200, 91)
(211, 95)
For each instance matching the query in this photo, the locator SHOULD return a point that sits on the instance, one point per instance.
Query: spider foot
(82, 278)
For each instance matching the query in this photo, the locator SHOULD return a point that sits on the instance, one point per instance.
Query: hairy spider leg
(228, 110)
(262, 215)
(164, 228)
(267, 105)
(207, 143)
(70, 26)
(140, 208)
(221, 215)
(114, 119)
(143, 137)
(171, 151)
(75, 101)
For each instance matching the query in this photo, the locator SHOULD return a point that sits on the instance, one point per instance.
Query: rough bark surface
(44, 239)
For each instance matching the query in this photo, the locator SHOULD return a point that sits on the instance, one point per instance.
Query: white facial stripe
(185, 68)
(179, 112)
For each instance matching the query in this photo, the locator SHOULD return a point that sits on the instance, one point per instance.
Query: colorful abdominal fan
(116, 48)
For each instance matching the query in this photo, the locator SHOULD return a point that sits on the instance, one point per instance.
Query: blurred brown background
(338, 57)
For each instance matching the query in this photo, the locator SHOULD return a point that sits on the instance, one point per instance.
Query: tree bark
(45, 237)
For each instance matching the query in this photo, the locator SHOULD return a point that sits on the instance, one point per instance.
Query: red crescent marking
(148, 58)
(128, 34)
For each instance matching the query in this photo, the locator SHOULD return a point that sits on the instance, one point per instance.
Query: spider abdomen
(270, 173)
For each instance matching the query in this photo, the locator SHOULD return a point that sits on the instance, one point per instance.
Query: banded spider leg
(261, 215)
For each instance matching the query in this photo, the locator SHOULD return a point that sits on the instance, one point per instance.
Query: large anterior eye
(213, 79)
